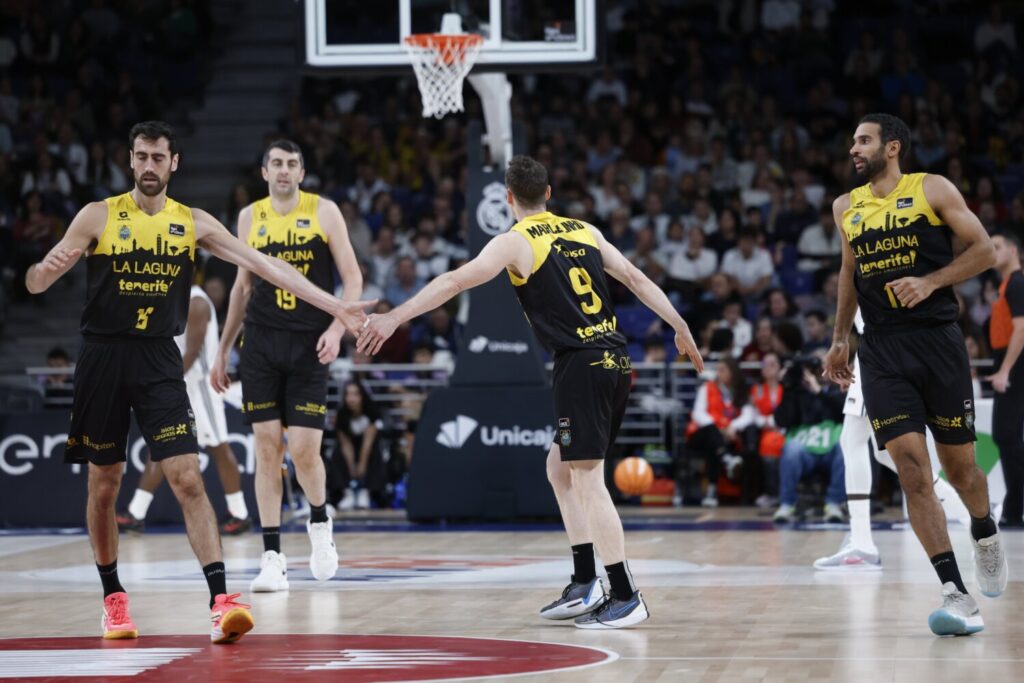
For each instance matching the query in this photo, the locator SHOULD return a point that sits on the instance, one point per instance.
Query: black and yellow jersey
(139, 272)
(297, 238)
(566, 296)
(897, 236)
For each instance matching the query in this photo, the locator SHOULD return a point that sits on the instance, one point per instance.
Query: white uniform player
(207, 404)
(858, 552)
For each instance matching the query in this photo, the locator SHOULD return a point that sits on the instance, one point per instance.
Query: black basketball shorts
(117, 376)
(591, 390)
(282, 378)
(917, 378)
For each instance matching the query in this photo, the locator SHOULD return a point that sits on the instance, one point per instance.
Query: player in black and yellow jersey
(140, 248)
(286, 350)
(558, 267)
(899, 266)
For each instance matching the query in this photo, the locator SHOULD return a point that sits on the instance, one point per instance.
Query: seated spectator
(787, 339)
(385, 254)
(437, 331)
(674, 242)
(817, 336)
(359, 233)
(749, 265)
(371, 290)
(778, 306)
(399, 347)
(811, 414)
(35, 232)
(690, 269)
(762, 344)
(653, 217)
(654, 350)
(766, 397)
(703, 217)
(57, 387)
(644, 255)
(820, 245)
(721, 424)
(619, 232)
(405, 283)
(712, 302)
(429, 263)
(797, 215)
(726, 236)
(358, 470)
(742, 330)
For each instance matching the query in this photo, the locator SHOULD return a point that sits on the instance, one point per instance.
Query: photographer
(811, 412)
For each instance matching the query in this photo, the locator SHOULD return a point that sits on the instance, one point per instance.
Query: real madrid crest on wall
(493, 214)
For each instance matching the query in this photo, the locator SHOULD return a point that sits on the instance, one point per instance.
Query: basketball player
(898, 265)
(557, 266)
(858, 551)
(198, 346)
(287, 347)
(140, 248)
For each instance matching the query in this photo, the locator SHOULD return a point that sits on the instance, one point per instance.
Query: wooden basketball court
(731, 600)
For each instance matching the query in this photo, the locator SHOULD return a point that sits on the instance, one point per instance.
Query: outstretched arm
(979, 255)
(620, 268)
(223, 244)
(86, 227)
(333, 224)
(238, 302)
(507, 250)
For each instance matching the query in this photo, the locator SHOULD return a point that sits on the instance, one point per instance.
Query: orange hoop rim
(441, 41)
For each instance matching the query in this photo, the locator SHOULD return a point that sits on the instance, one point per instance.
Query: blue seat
(797, 282)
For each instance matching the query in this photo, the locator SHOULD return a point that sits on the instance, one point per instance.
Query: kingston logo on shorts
(176, 229)
(904, 202)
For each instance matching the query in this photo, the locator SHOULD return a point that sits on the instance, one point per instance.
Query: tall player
(898, 265)
(140, 249)
(858, 551)
(198, 347)
(557, 266)
(287, 347)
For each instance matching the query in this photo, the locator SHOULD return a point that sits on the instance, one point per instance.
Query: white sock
(236, 505)
(140, 504)
(860, 524)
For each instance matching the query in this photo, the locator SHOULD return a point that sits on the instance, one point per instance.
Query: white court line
(942, 660)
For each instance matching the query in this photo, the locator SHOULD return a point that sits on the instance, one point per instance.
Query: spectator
(57, 387)
(609, 85)
(766, 397)
(405, 284)
(690, 269)
(711, 304)
(725, 238)
(359, 233)
(644, 255)
(366, 188)
(811, 414)
(429, 263)
(654, 217)
(820, 244)
(798, 214)
(702, 217)
(359, 470)
(762, 343)
(779, 306)
(385, 254)
(72, 153)
(742, 330)
(817, 336)
(35, 232)
(437, 331)
(995, 32)
(719, 424)
(749, 265)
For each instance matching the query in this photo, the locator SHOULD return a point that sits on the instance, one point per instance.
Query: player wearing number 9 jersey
(286, 350)
(899, 266)
(558, 267)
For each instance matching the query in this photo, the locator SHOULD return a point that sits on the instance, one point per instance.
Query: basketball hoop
(441, 62)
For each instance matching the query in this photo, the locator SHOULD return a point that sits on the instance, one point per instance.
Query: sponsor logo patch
(904, 202)
(176, 229)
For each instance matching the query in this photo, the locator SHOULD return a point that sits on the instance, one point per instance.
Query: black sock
(945, 567)
(272, 538)
(216, 579)
(317, 513)
(983, 527)
(583, 570)
(108, 575)
(618, 577)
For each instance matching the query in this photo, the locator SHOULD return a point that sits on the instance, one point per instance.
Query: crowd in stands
(709, 150)
(74, 77)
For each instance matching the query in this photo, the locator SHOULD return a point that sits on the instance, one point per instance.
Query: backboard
(518, 34)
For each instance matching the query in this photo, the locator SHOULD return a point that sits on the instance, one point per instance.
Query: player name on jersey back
(566, 296)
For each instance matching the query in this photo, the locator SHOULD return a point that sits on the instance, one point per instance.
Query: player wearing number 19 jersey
(899, 267)
(557, 266)
(286, 350)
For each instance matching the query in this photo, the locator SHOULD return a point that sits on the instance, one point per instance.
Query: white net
(441, 63)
